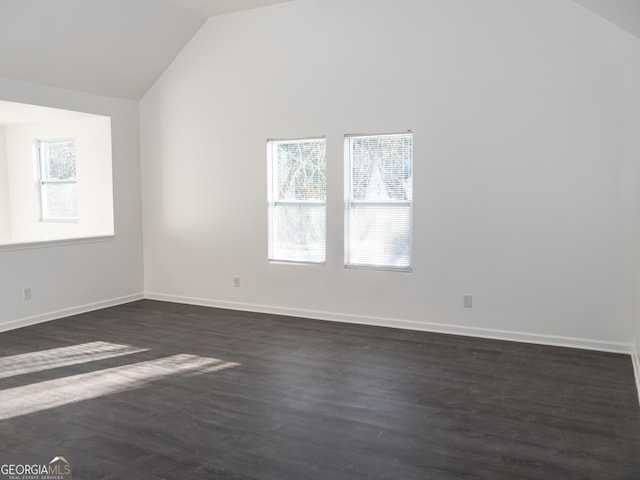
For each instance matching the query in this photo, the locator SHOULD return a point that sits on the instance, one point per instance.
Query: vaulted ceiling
(210, 8)
(120, 47)
(116, 48)
(623, 13)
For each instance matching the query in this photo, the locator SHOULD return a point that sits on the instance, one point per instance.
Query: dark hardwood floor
(153, 390)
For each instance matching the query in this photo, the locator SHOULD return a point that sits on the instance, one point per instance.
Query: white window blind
(297, 200)
(378, 200)
(57, 174)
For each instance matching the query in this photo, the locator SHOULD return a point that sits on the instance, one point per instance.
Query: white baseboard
(558, 341)
(45, 317)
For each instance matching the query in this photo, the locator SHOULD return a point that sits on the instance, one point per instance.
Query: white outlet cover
(468, 301)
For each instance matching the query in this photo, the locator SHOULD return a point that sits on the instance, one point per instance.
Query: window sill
(8, 247)
(292, 262)
(381, 268)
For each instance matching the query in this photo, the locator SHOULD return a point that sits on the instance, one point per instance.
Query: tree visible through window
(297, 200)
(378, 200)
(58, 185)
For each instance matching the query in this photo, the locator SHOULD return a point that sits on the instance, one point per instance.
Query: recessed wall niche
(72, 174)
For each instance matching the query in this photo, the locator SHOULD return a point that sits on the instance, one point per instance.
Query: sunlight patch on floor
(62, 357)
(40, 396)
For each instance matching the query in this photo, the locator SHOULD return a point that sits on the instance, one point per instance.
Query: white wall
(92, 137)
(68, 277)
(5, 225)
(522, 195)
(631, 152)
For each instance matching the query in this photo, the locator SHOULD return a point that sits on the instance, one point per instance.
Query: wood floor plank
(203, 393)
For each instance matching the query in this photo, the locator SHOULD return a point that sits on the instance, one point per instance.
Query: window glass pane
(297, 196)
(379, 191)
(301, 170)
(300, 233)
(379, 235)
(59, 201)
(381, 167)
(59, 159)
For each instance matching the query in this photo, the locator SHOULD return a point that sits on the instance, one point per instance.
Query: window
(58, 187)
(378, 200)
(297, 200)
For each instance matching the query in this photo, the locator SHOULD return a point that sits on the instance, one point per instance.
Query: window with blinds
(378, 201)
(297, 200)
(57, 178)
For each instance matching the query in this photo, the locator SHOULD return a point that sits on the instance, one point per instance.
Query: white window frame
(273, 203)
(349, 201)
(43, 181)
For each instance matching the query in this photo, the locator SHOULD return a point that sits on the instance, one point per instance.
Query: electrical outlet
(468, 301)
(236, 282)
(26, 293)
